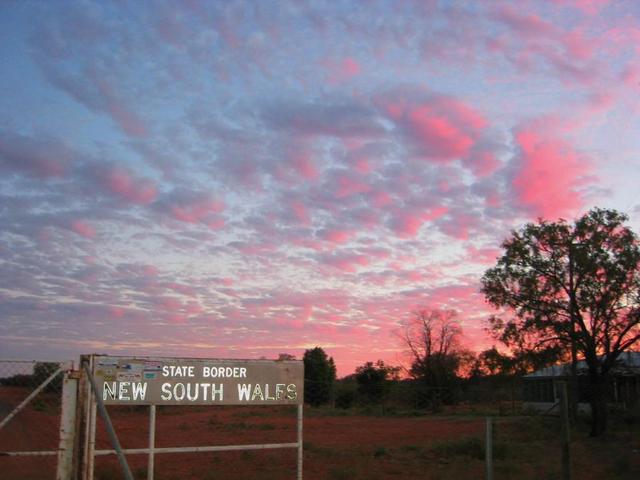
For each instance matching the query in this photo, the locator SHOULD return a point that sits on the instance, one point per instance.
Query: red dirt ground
(332, 443)
(337, 447)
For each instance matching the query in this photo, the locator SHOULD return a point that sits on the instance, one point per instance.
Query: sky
(239, 179)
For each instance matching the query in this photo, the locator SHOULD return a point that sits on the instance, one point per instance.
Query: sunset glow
(243, 179)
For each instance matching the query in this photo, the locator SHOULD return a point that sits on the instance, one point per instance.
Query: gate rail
(41, 375)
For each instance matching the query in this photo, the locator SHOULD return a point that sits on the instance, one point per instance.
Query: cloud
(345, 261)
(324, 117)
(534, 44)
(550, 175)
(440, 128)
(120, 182)
(39, 157)
(335, 235)
(192, 207)
(343, 70)
(407, 223)
(83, 229)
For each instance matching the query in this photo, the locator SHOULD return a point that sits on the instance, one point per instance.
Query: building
(623, 389)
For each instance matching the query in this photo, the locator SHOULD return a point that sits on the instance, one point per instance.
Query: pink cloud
(117, 312)
(343, 70)
(181, 288)
(577, 45)
(381, 199)
(198, 209)
(588, 7)
(336, 235)
(348, 186)
(631, 76)
(303, 165)
(483, 255)
(458, 226)
(535, 42)
(347, 262)
(524, 24)
(122, 183)
(171, 304)
(38, 157)
(83, 229)
(550, 175)
(300, 212)
(150, 270)
(441, 128)
(440, 137)
(407, 223)
(129, 121)
(124, 117)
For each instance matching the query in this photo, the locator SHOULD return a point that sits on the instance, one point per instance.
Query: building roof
(628, 364)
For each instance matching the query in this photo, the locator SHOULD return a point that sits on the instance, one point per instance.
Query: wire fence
(30, 409)
(404, 430)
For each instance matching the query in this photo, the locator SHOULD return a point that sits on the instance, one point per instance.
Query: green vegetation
(573, 290)
(319, 377)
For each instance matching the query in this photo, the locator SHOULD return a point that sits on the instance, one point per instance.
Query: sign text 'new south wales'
(174, 381)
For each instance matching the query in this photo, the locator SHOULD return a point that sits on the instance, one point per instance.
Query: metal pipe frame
(24, 403)
(217, 448)
(151, 450)
(152, 441)
(109, 427)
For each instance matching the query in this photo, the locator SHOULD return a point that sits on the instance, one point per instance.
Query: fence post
(300, 441)
(66, 443)
(109, 427)
(488, 451)
(152, 442)
(565, 434)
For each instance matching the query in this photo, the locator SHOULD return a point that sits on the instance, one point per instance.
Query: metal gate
(48, 413)
(37, 417)
(92, 400)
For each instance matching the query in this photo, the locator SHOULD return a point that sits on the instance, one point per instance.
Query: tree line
(564, 292)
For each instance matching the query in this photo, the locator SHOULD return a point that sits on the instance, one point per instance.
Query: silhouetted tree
(521, 361)
(319, 377)
(571, 287)
(374, 380)
(433, 339)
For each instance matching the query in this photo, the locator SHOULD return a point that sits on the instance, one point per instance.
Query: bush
(345, 399)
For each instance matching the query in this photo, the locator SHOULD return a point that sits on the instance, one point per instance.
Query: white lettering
(193, 397)
(139, 390)
(109, 390)
(123, 391)
(257, 392)
(224, 372)
(166, 393)
(291, 392)
(176, 395)
(178, 371)
(279, 390)
(266, 393)
(244, 391)
(217, 391)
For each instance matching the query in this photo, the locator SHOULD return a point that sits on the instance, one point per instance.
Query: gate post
(66, 442)
(83, 423)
